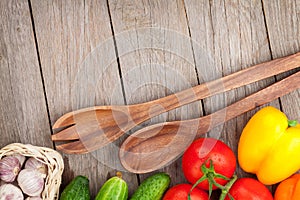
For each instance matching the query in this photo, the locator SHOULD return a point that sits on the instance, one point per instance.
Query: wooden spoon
(156, 146)
(88, 129)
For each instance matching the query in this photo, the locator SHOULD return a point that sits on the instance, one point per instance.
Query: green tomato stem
(226, 188)
(209, 174)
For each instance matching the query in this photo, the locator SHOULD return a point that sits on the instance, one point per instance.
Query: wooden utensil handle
(259, 98)
(235, 80)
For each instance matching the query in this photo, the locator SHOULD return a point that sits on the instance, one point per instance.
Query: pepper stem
(292, 123)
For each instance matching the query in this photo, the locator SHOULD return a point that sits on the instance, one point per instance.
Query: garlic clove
(31, 182)
(20, 157)
(33, 163)
(9, 191)
(9, 168)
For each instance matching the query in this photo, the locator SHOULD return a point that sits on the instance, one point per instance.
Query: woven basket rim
(48, 156)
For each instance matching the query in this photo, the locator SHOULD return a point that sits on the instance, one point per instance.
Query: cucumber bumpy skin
(152, 188)
(114, 188)
(77, 189)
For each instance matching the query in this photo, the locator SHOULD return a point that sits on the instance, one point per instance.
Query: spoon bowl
(141, 151)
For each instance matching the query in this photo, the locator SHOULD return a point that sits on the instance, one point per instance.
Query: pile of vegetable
(22, 177)
(116, 188)
(269, 147)
(209, 164)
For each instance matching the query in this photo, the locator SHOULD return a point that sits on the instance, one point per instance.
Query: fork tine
(75, 147)
(65, 120)
(69, 133)
(85, 144)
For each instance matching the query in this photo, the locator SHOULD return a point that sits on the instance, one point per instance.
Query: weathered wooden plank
(283, 19)
(283, 23)
(80, 69)
(156, 57)
(233, 33)
(73, 37)
(23, 113)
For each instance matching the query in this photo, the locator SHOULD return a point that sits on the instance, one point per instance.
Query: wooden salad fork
(89, 129)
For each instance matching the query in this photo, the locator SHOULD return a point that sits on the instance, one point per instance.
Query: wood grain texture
(234, 35)
(80, 69)
(283, 23)
(283, 19)
(23, 113)
(156, 57)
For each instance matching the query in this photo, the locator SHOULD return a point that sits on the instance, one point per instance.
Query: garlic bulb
(31, 182)
(9, 168)
(9, 191)
(33, 163)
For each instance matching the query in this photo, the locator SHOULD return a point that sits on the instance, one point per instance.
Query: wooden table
(58, 56)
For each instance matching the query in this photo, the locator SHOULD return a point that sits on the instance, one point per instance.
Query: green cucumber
(152, 188)
(114, 188)
(77, 189)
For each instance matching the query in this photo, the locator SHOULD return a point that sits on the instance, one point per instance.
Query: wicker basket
(48, 156)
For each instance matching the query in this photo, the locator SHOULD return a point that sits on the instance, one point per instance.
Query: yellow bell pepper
(269, 146)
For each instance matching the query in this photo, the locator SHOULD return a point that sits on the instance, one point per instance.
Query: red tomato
(249, 189)
(180, 192)
(202, 151)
